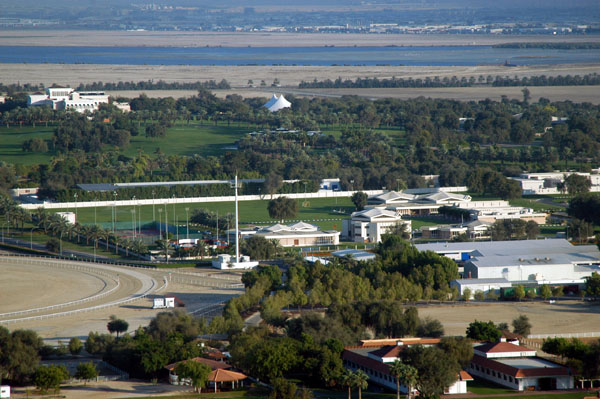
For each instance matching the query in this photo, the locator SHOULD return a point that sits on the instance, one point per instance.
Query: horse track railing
(133, 298)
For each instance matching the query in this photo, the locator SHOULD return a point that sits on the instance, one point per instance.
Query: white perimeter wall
(189, 200)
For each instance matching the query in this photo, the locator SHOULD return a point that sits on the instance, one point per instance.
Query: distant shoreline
(97, 38)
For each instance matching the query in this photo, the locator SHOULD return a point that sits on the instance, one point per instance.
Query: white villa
(65, 98)
(370, 224)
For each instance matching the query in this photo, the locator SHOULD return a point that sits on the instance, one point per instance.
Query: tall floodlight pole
(153, 213)
(160, 211)
(237, 233)
(187, 223)
(76, 213)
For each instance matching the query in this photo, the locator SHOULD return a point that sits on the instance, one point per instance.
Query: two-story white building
(65, 98)
(370, 224)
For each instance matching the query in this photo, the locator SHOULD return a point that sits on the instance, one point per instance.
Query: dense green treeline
(472, 81)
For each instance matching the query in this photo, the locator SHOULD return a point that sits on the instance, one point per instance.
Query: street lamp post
(160, 211)
(115, 210)
(95, 204)
(76, 209)
(175, 221)
(31, 238)
(133, 223)
(187, 223)
(133, 216)
(153, 213)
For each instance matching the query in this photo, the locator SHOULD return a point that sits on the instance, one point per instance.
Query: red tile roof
(213, 364)
(366, 361)
(464, 376)
(501, 347)
(389, 351)
(520, 373)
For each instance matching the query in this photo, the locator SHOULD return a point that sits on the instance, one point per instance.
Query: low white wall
(190, 200)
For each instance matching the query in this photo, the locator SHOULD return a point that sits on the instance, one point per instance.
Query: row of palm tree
(404, 374)
(14, 215)
(357, 379)
(58, 226)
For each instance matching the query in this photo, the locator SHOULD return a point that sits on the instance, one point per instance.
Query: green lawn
(535, 205)
(181, 139)
(12, 138)
(481, 387)
(312, 211)
(189, 140)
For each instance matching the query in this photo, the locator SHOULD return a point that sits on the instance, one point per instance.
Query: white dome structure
(279, 103)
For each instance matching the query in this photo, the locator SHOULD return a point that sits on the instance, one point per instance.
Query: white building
(518, 368)
(227, 262)
(374, 358)
(370, 224)
(491, 211)
(65, 98)
(295, 235)
(484, 285)
(549, 182)
(412, 202)
(532, 262)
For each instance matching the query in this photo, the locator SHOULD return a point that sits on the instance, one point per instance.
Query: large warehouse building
(501, 263)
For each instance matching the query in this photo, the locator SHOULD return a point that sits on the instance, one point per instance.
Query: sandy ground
(54, 286)
(110, 389)
(569, 316)
(238, 76)
(553, 93)
(259, 39)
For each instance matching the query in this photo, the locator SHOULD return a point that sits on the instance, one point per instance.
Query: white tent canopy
(275, 104)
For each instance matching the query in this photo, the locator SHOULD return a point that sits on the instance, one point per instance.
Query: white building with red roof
(518, 367)
(374, 357)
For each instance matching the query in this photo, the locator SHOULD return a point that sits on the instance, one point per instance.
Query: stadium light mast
(237, 233)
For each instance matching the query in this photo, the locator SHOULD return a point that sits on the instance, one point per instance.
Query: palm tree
(347, 381)
(404, 373)
(139, 247)
(42, 218)
(359, 380)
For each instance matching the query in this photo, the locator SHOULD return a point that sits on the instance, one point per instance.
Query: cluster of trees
(170, 337)
(77, 132)
(491, 182)
(507, 229)
(52, 376)
(490, 332)
(435, 143)
(152, 85)
(541, 80)
(583, 359)
(210, 219)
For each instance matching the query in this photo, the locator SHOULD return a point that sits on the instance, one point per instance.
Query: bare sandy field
(259, 39)
(238, 76)
(569, 316)
(55, 287)
(553, 93)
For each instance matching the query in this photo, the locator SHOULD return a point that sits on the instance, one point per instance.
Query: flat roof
(475, 281)
(516, 248)
(527, 363)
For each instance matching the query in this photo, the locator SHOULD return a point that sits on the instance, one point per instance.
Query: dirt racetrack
(32, 285)
(562, 317)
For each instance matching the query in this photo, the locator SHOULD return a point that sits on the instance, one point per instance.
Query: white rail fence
(204, 283)
(566, 335)
(78, 268)
(189, 200)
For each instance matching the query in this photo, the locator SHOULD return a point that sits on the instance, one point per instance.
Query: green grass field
(11, 140)
(314, 212)
(182, 139)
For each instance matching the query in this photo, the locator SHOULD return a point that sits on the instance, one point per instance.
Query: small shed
(5, 391)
